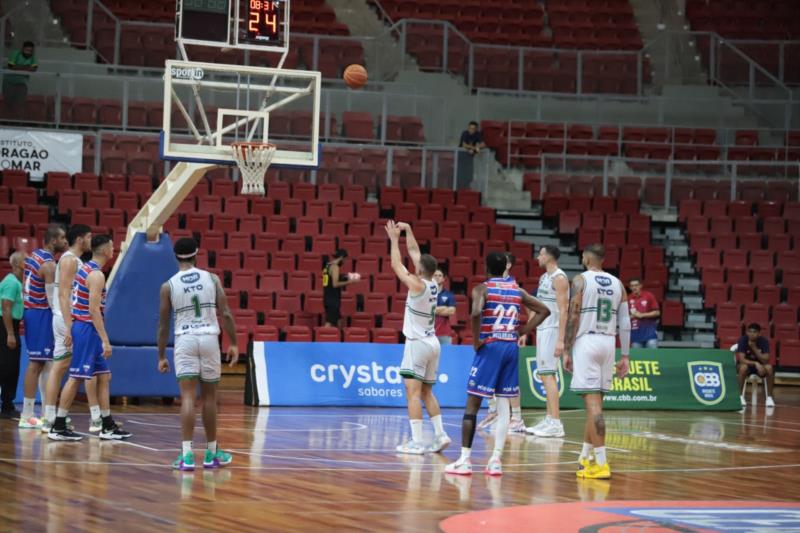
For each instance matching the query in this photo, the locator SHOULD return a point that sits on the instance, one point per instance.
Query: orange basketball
(355, 76)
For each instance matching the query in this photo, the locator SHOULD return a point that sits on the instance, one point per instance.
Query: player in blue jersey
(38, 296)
(86, 334)
(496, 304)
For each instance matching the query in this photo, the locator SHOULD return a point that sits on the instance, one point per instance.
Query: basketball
(355, 76)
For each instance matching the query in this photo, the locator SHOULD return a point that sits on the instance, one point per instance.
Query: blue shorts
(495, 371)
(39, 337)
(87, 352)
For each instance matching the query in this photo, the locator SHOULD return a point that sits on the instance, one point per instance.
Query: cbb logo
(707, 379)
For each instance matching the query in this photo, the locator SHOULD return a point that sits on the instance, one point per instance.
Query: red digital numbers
(263, 19)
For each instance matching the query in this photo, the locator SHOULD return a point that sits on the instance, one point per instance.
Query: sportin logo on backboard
(535, 380)
(707, 381)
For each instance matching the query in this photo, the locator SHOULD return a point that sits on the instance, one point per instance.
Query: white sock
(62, 413)
(105, 412)
(516, 413)
(27, 407)
(493, 403)
(50, 413)
(212, 445)
(465, 453)
(600, 455)
(94, 410)
(416, 430)
(186, 447)
(438, 426)
(501, 429)
(586, 453)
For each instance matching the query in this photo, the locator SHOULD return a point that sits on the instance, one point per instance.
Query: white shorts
(546, 362)
(60, 351)
(593, 363)
(421, 359)
(198, 356)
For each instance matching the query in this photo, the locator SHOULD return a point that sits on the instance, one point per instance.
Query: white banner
(38, 152)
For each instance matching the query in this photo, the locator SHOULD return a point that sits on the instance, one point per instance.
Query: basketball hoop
(253, 159)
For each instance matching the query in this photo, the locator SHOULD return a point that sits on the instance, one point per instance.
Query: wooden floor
(304, 469)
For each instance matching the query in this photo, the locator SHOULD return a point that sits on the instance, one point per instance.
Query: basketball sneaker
(29, 423)
(770, 402)
(488, 420)
(517, 425)
(539, 425)
(494, 467)
(583, 464)
(96, 425)
(47, 426)
(411, 447)
(214, 460)
(460, 467)
(596, 471)
(115, 433)
(184, 462)
(553, 428)
(440, 443)
(64, 434)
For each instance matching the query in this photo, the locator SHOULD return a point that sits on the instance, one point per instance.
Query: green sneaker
(184, 462)
(214, 460)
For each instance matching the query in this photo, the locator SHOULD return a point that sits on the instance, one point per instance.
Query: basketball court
(297, 469)
(336, 468)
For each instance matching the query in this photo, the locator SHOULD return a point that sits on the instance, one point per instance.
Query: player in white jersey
(553, 292)
(195, 296)
(421, 354)
(599, 306)
(79, 240)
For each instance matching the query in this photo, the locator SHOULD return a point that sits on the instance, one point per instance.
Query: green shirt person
(11, 313)
(15, 86)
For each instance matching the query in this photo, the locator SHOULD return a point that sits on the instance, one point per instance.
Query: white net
(253, 160)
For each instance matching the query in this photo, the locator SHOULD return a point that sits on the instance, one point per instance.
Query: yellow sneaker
(583, 464)
(596, 471)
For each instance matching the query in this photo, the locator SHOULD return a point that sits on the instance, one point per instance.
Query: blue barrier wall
(133, 300)
(343, 374)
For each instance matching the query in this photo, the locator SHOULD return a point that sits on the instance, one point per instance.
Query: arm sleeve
(624, 324)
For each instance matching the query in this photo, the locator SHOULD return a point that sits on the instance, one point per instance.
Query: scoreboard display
(263, 22)
(245, 24)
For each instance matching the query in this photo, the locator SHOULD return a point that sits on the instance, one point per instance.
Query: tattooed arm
(573, 320)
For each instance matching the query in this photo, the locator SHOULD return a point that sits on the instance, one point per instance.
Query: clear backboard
(245, 24)
(209, 106)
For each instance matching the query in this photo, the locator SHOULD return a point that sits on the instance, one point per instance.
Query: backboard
(244, 24)
(208, 106)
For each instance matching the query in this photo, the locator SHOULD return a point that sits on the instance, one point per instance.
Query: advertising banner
(37, 152)
(345, 374)
(685, 379)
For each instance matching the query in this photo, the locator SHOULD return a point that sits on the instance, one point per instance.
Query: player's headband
(186, 256)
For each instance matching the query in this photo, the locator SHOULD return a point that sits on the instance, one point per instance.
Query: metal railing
(672, 142)
(49, 91)
(652, 110)
(427, 166)
(661, 179)
(773, 56)
(732, 70)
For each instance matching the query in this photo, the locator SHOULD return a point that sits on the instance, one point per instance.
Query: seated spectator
(445, 309)
(644, 316)
(752, 357)
(471, 139)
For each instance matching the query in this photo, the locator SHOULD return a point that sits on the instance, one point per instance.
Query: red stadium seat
(384, 336)
(354, 334)
(672, 314)
(297, 333)
(327, 334)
